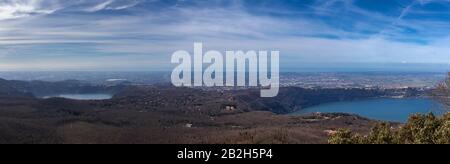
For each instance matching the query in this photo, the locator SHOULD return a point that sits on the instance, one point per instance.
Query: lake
(385, 109)
(83, 96)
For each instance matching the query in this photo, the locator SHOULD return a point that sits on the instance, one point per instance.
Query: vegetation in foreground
(420, 129)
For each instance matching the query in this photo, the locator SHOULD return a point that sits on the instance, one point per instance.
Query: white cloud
(122, 6)
(12, 9)
(100, 6)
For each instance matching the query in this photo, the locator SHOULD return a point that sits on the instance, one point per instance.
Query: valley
(164, 114)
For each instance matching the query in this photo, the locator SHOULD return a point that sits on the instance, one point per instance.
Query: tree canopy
(420, 129)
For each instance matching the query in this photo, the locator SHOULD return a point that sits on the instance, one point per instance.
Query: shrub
(420, 129)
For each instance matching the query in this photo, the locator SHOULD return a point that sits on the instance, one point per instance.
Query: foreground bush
(420, 129)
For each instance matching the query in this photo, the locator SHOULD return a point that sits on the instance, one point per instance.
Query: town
(213, 75)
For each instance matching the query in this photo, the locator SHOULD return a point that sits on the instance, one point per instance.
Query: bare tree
(442, 92)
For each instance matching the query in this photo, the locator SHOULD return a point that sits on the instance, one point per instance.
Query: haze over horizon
(142, 34)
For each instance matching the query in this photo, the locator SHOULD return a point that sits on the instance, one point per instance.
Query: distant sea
(367, 67)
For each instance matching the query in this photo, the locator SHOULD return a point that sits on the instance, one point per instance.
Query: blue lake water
(384, 109)
(83, 96)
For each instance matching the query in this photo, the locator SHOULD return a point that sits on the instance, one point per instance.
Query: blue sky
(142, 34)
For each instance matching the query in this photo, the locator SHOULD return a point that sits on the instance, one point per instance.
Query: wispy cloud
(13, 9)
(121, 31)
(100, 6)
(113, 5)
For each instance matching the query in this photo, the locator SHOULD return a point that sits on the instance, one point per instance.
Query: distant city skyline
(323, 35)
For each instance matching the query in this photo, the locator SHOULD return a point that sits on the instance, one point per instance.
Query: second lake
(385, 109)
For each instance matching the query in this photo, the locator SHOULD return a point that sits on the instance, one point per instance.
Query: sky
(143, 34)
